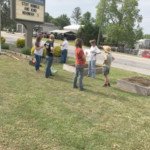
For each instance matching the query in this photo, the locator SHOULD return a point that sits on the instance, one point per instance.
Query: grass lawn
(48, 114)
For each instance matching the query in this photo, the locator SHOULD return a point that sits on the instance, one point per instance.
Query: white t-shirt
(40, 51)
(65, 45)
(92, 53)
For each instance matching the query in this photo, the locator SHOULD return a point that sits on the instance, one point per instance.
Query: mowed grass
(48, 114)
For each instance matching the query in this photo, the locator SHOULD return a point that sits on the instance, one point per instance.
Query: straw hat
(107, 49)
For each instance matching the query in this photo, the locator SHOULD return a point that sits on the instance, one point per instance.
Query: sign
(30, 10)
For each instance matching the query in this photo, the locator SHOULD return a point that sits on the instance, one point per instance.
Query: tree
(86, 18)
(88, 32)
(147, 36)
(5, 15)
(61, 21)
(121, 20)
(76, 15)
(48, 18)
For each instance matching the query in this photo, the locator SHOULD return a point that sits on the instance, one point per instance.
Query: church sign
(29, 10)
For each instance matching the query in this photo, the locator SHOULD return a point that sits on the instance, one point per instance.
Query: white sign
(29, 11)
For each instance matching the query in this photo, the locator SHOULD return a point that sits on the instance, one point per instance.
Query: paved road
(122, 61)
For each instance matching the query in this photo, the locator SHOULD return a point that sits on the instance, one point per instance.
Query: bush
(5, 46)
(21, 43)
(26, 51)
(33, 49)
(2, 40)
(57, 51)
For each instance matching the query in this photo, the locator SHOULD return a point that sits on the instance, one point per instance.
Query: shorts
(105, 70)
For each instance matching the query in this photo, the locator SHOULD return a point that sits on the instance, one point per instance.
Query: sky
(57, 7)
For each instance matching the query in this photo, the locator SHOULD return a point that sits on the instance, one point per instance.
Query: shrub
(33, 49)
(21, 43)
(57, 51)
(26, 51)
(5, 46)
(2, 40)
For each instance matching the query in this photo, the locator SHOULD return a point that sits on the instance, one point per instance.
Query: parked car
(146, 54)
(43, 34)
(34, 34)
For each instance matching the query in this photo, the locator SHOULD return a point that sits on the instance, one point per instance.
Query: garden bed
(71, 68)
(138, 85)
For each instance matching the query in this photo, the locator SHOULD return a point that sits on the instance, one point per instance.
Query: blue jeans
(91, 68)
(79, 72)
(49, 61)
(63, 56)
(38, 61)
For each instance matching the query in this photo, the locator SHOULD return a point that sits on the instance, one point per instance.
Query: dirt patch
(86, 66)
(142, 81)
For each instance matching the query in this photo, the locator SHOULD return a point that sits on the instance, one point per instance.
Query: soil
(142, 81)
(86, 66)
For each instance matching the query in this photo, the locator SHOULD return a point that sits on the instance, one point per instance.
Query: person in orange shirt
(80, 63)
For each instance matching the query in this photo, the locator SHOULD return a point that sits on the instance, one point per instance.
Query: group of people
(81, 56)
(49, 46)
(81, 60)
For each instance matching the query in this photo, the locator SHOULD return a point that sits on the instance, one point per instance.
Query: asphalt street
(122, 61)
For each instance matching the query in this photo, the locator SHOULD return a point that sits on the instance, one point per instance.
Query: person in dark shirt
(49, 46)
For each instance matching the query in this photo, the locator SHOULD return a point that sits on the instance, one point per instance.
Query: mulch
(142, 81)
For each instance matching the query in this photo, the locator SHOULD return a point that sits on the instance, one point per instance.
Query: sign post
(29, 13)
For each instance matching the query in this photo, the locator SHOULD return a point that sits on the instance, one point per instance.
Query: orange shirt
(80, 57)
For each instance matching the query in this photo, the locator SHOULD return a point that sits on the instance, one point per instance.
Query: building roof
(73, 27)
(61, 31)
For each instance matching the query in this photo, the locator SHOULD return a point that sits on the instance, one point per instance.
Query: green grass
(48, 114)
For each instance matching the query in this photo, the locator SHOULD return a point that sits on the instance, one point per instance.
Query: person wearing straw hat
(94, 50)
(108, 58)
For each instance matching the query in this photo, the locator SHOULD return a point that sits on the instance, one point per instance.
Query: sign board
(29, 13)
(28, 10)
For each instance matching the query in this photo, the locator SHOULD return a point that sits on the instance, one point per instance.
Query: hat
(92, 41)
(107, 49)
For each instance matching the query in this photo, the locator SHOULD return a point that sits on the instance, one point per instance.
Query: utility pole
(0, 28)
(101, 21)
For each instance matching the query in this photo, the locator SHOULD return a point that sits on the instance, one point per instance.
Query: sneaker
(109, 85)
(75, 87)
(105, 85)
(82, 89)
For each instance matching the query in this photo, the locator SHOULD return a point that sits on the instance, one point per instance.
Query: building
(46, 27)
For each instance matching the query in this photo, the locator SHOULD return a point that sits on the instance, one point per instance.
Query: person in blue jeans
(64, 50)
(38, 52)
(92, 59)
(49, 46)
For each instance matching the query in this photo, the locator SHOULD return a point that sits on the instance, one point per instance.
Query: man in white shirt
(92, 59)
(64, 49)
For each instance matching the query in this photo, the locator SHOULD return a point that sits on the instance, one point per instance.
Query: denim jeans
(49, 61)
(79, 72)
(91, 68)
(38, 61)
(63, 56)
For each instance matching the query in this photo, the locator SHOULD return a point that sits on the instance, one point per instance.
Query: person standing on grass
(49, 46)
(64, 49)
(108, 58)
(92, 59)
(80, 63)
(38, 52)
